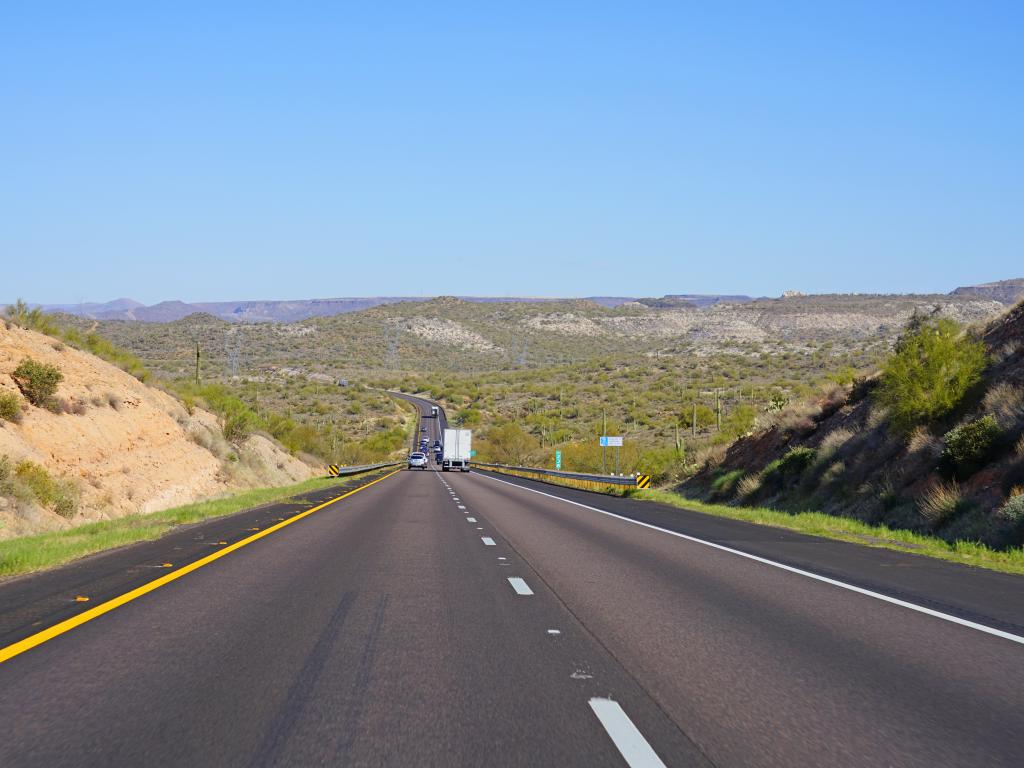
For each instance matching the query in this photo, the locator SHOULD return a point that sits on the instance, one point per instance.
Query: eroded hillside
(959, 476)
(107, 445)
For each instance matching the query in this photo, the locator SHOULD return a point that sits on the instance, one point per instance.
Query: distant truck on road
(458, 447)
(433, 411)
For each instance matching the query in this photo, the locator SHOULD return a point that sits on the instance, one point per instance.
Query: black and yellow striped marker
(333, 470)
(643, 481)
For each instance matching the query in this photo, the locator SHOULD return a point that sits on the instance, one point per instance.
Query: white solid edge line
(627, 738)
(817, 577)
(487, 540)
(520, 586)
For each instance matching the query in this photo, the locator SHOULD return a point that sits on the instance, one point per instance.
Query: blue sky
(293, 150)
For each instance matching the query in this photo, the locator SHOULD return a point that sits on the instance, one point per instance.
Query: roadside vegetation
(931, 444)
(855, 531)
(315, 419)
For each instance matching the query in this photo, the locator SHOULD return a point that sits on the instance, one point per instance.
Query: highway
(474, 619)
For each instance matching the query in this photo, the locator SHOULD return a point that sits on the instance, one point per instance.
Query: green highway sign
(558, 459)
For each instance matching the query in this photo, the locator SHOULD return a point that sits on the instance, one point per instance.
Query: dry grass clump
(831, 443)
(114, 401)
(877, 416)
(710, 457)
(1019, 448)
(748, 486)
(922, 441)
(797, 417)
(833, 473)
(940, 501)
(1006, 403)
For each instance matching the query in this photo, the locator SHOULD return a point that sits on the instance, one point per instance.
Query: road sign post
(611, 441)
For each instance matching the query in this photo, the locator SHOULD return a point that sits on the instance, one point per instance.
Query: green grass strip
(46, 550)
(854, 531)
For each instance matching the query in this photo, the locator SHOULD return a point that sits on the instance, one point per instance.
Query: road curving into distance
(466, 619)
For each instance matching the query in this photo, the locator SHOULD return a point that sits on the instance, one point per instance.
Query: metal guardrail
(576, 479)
(335, 470)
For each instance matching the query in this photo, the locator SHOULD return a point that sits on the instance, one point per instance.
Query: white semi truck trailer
(458, 447)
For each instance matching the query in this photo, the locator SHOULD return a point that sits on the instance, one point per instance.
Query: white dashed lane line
(627, 738)
(470, 519)
(520, 586)
(487, 540)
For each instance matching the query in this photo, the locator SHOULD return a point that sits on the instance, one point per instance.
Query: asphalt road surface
(469, 619)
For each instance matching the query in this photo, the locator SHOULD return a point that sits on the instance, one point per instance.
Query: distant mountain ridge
(1006, 292)
(286, 311)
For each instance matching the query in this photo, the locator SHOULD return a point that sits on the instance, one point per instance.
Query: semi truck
(433, 411)
(458, 447)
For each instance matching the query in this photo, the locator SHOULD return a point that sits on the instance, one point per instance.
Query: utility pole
(197, 362)
(718, 408)
(693, 424)
(604, 448)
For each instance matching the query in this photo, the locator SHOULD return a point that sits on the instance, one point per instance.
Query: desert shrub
(37, 381)
(510, 444)
(6, 474)
(789, 467)
(1019, 447)
(10, 407)
(724, 486)
(928, 374)
(189, 401)
(970, 445)
(468, 417)
(114, 401)
(61, 496)
(796, 460)
(237, 423)
(940, 502)
(35, 319)
(1013, 509)
(77, 407)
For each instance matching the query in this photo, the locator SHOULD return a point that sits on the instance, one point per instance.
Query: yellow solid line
(68, 624)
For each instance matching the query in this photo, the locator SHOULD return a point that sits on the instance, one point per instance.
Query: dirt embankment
(124, 447)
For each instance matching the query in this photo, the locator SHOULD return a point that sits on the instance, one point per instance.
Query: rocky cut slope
(959, 477)
(106, 445)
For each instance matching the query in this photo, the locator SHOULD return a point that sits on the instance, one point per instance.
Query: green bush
(35, 319)
(1013, 510)
(59, 495)
(238, 422)
(930, 371)
(796, 460)
(724, 486)
(37, 381)
(10, 407)
(970, 445)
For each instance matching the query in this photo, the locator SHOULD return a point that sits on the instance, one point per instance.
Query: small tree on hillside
(37, 381)
(932, 368)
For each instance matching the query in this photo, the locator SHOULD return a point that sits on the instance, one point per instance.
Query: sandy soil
(135, 449)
